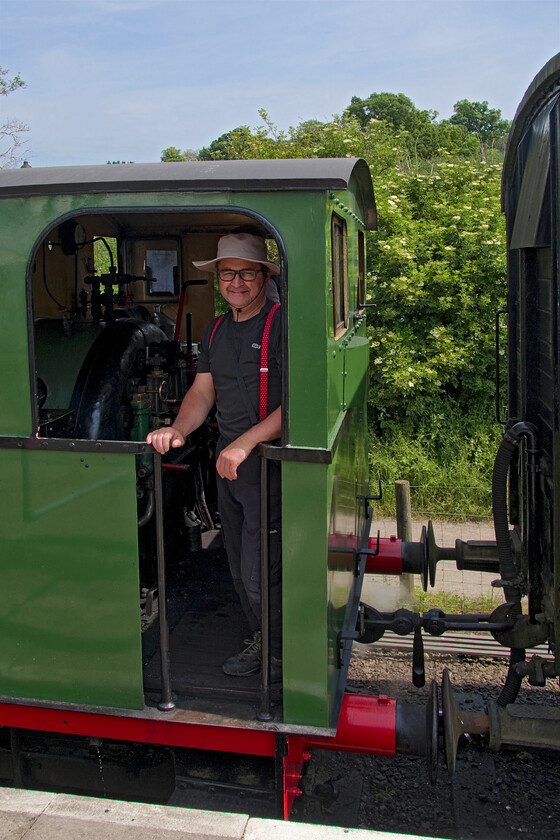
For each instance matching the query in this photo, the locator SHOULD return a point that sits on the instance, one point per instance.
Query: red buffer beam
(367, 724)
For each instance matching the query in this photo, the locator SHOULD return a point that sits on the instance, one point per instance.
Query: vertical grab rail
(166, 703)
(265, 712)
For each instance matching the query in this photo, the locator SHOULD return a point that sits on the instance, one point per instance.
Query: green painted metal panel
(356, 360)
(320, 501)
(70, 626)
(335, 385)
(16, 240)
(307, 307)
(349, 480)
(322, 522)
(304, 577)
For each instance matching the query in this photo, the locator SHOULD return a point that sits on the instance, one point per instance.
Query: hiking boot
(246, 663)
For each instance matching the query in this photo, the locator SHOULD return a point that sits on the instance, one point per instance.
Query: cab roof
(301, 174)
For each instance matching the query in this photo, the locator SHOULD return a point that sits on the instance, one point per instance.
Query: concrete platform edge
(39, 815)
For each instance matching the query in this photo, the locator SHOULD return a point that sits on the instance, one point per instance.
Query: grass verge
(449, 477)
(453, 602)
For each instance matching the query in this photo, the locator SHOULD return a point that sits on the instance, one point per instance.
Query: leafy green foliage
(172, 154)
(104, 254)
(9, 85)
(438, 276)
(481, 121)
(341, 137)
(447, 460)
(419, 133)
(395, 108)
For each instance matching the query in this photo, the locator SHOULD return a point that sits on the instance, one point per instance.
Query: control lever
(372, 624)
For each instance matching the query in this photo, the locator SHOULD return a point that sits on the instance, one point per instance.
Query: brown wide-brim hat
(239, 246)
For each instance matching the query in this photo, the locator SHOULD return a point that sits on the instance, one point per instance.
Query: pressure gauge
(72, 236)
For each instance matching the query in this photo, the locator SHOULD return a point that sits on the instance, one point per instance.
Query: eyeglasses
(246, 274)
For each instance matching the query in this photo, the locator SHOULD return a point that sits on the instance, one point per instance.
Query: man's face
(238, 292)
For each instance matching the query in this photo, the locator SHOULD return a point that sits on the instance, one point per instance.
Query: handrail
(166, 703)
(265, 712)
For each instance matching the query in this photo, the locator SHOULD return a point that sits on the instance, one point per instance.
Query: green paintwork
(70, 626)
(319, 502)
(68, 540)
(304, 577)
(356, 361)
(323, 515)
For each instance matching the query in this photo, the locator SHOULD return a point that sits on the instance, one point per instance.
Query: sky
(125, 79)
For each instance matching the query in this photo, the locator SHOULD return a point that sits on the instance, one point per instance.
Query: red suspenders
(263, 397)
(214, 330)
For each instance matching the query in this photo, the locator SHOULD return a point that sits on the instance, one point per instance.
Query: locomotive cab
(117, 552)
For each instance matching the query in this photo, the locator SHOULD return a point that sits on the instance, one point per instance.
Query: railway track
(467, 644)
(513, 793)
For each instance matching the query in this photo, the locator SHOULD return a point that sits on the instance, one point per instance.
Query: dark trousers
(239, 503)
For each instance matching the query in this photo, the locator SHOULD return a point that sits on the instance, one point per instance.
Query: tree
(395, 108)
(11, 144)
(9, 85)
(228, 146)
(341, 137)
(417, 129)
(481, 121)
(173, 155)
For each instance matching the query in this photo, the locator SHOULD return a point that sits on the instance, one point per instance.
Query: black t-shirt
(233, 416)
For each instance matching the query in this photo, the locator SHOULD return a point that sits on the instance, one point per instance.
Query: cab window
(339, 274)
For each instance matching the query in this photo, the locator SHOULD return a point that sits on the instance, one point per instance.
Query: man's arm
(233, 455)
(194, 410)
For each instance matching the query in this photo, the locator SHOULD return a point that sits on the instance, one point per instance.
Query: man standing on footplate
(230, 373)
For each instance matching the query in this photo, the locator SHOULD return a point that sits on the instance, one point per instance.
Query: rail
(466, 644)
